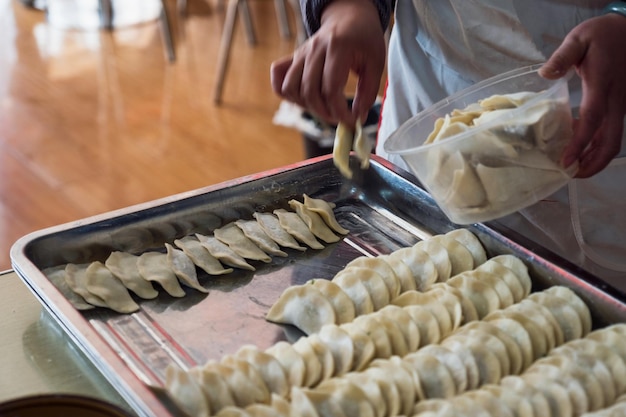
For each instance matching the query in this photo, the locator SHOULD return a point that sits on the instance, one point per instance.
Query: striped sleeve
(312, 12)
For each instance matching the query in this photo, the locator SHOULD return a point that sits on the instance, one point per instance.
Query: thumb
(567, 55)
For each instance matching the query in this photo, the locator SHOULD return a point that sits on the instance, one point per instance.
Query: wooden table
(36, 357)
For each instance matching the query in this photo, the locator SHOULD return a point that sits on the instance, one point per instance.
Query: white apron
(438, 47)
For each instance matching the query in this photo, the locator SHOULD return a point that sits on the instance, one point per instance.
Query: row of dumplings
(335, 350)
(480, 352)
(232, 246)
(368, 284)
(583, 377)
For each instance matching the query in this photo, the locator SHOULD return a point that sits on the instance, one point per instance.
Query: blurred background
(96, 114)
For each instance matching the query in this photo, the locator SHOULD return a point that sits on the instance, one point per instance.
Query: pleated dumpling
(303, 306)
(124, 266)
(471, 243)
(382, 267)
(296, 227)
(223, 252)
(362, 145)
(461, 259)
(344, 138)
(102, 283)
(154, 266)
(325, 210)
(75, 279)
(184, 268)
(56, 275)
(314, 221)
(186, 392)
(234, 237)
(271, 225)
(201, 257)
(253, 231)
(342, 304)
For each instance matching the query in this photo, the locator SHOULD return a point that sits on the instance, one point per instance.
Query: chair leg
(301, 34)
(283, 20)
(181, 7)
(106, 14)
(166, 29)
(247, 21)
(225, 47)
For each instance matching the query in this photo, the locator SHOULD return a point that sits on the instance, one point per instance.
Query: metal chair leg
(301, 34)
(283, 20)
(166, 30)
(106, 14)
(244, 8)
(225, 47)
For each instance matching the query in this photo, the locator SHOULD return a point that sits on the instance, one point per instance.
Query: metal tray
(383, 207)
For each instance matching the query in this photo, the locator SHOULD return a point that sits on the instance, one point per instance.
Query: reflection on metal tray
(382, 207)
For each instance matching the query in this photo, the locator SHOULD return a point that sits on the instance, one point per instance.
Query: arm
(350, 38)
(597, 50)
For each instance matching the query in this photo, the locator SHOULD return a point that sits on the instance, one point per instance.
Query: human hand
(597, 50)
(350, 38)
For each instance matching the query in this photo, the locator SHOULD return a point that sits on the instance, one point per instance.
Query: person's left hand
(596, 48)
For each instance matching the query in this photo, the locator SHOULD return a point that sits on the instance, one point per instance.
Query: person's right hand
(350, 38)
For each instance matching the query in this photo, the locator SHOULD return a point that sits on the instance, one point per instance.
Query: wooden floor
(92, 121)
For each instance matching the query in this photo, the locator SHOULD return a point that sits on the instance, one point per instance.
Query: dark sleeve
(312, 11)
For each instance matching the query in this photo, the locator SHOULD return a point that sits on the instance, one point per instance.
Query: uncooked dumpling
(471, 242)
(370, 279)
(502, 185)
(341, 149)
(314, 221)
(439, 256)
(383, 268)
(271, 225)
(423, 269)
(303, 306)
(153, 266)
(362, 145)
(102, 283)
(201, 256)
(234, 237)
(253, 231)
(402, 271)
(506, 101)
(56, 275)
(342, 304)
(296, 227)
(186, 392)
(340, 345)
(461, 259)
(223, 252)
(325, 210)
(271, 370)
(291, 361)
(75, 279)
(124, 266)
(184, 268)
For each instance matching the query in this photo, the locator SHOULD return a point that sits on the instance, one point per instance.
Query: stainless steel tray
(382, 207)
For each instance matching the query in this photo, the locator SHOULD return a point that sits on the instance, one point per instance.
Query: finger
(278, 70)
(567, 55)
(365, 94)
(311, 87)
(337, 70)
(604, 147)
(593, 109)
(290, 87)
